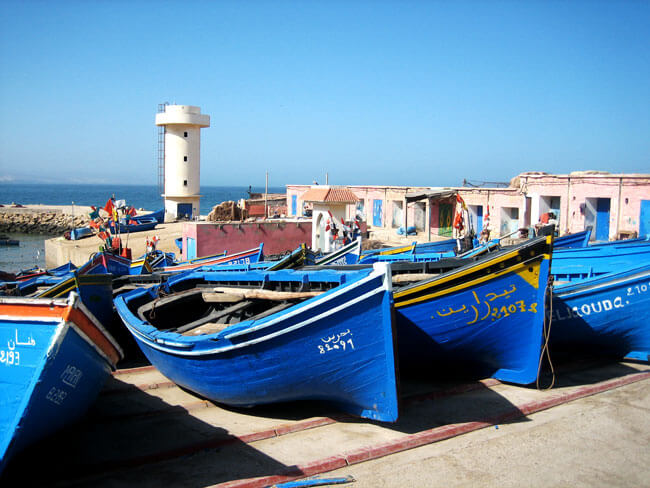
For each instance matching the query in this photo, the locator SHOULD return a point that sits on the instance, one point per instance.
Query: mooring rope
(548, 319)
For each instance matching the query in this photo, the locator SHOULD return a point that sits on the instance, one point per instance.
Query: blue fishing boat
(347, 254)
(128, 225)
(244, 257)
(424, 257)
(414, 248)
(62, 270)
(54, 358)
(80, 233)
(152, 261)
(605, 312)
(577, 239)
(158, 216)
(487, 316)
(256, 337)
(586, 262)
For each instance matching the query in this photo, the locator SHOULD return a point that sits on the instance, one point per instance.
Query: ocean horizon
(140, 196)
(31, 251)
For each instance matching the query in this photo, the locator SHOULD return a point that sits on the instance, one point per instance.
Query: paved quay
(59, 250)
(592, 429)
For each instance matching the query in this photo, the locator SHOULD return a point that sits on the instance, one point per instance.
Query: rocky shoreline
(39, 221)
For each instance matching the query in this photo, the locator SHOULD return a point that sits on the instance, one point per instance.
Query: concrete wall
(520, 204)
(625, 192)
(277, 237)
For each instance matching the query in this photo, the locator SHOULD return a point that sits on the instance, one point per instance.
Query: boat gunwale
(594, 283)
(305, 306)
(401, 295)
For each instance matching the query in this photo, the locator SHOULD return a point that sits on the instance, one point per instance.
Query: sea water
(31, 251)
(140, 196)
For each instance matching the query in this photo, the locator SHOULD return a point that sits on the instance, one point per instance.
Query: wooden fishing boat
(423, 257)
(244, 257)
(158, 216)
(127, 226)
(347, 254)
(152, 261)
(105, 262)
(80, 233)
(486, 317)
(6, 241)
(256, 337)
(55, 356)
(62, 270)
(605, 312)
(586, 262)
(369, 256)
(414, 248)
(577, 239)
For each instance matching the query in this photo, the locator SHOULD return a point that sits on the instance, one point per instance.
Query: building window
(184, 134)
(360, 211)
(184, 182)
(184, 158)
(398, 218)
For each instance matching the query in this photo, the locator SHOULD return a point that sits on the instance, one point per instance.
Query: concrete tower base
(182, 207)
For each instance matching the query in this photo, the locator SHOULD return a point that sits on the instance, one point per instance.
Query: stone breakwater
(42, 221)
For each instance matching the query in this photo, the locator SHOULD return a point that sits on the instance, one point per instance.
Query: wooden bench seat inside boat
(209, 328)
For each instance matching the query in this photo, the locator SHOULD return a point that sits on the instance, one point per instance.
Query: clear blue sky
(372, 92)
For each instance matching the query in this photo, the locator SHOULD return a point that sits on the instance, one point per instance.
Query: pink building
(613, 205)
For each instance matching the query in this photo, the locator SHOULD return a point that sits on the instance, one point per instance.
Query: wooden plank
(211, 297)
(263, 294)
(214, 316)
(411, 277)
(209, 328)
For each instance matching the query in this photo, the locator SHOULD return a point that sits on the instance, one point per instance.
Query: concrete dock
(592, 429)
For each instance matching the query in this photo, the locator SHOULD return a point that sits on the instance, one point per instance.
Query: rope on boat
(548, 319)
(160, 295)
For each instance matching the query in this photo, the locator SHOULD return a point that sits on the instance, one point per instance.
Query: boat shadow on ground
(145, 441)
(134, 437)
(585, 368)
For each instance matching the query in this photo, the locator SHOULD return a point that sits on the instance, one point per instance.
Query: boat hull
(54, 359)
(487, 318)
(607, 314)
(337, 347)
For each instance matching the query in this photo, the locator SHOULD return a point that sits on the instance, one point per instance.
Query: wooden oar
(228, 294)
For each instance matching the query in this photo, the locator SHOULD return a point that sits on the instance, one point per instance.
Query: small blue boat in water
(606, 313)
(486, 317)
(257, 337)
(54, 358)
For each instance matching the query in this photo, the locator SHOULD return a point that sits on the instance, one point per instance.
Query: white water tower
(182, 149)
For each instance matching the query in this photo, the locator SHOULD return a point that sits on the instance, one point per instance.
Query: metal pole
(327, 178)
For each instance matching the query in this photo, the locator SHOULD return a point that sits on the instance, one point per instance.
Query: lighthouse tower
(183, 124)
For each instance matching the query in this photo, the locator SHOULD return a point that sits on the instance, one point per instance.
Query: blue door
(191, 248)
(479, 219)
(376, 213)
(184, 210)
(602, 219)
(644, 218)
(294, 205)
